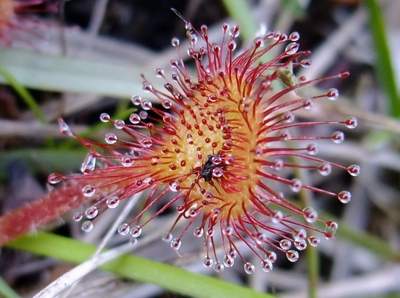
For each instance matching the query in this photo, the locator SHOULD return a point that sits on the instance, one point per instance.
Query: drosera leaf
(70, 74)
(136, 268)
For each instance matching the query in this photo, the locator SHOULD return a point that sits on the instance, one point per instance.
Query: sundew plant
(220, 140)
(213, 149)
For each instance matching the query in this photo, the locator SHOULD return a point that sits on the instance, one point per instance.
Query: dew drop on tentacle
(55, 178)
(175, 42)
(127, 160)
(277, 217)
(136, 100)
(292, 255)
(353, 170)
(267, 265)
(123, 229)
(143, 115)
(296, 185)
(77, 217)
(228, 261)
(228, 230)
(91, 212)
(136, 231)
(332, 94)
(285, 244)
(147, 105)
(110, 138)
(89, 164)
(119, 124)
(176, 244)
(300, 244)
(344, 196)
(292, 48)
(330, 229)
(271, 256)
(337, 137)
(249, 268)
(64, 128)
(112, 202)
(278, 164)
(310, 215)
(301, 234)
(325, 169)
(167, 238)
(105, 117)
(308, 104)
(208, 262)
(217, 172)
(134, 118)
(218, 267)
(313, 241)
(87, 226)
(88, 190)
(351, 123)
(312, 149)
(198, 232)
(174, 186)
(294, 36)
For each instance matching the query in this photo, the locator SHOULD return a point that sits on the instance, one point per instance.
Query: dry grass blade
(72, 276)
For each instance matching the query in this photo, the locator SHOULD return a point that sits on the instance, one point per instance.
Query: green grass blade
(23, 93)
(383, 64)
(6, 291)
(136, 268)
(67, 74)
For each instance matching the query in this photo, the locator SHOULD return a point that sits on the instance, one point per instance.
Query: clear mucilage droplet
(332, 94)
(249, 268)
(228, 261)
(110, 138)
(176, 244)
(136, 231)
(292, 255)
(208, 262)
(310, 215)
(105, 117)
(296, 185)
(337, 137)
(89, 164)
(285, 244)
(87, 226)
(218, 267)
(123, 229)
(344, 196)
(91, 212)
(267, 265)
(88, 190)
(353, 170)
(112, 202)
(54, 178)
